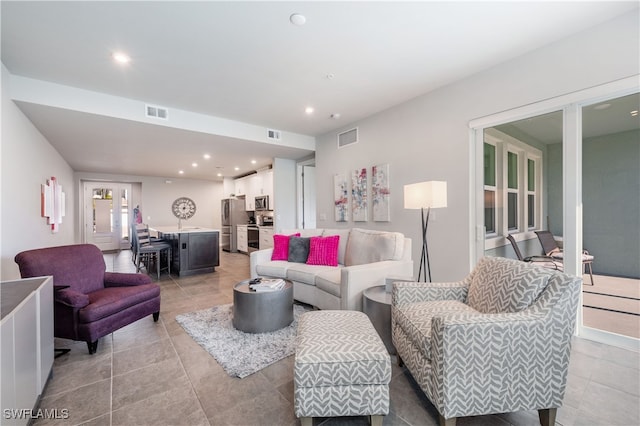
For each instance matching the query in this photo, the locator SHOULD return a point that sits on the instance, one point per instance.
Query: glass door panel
(611, 215)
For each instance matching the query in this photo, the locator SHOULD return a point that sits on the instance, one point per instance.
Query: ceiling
(246, 62)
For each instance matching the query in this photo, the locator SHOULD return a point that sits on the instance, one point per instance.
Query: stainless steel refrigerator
(233, 214)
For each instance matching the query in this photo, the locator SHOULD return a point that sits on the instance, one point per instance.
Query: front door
(106, 214)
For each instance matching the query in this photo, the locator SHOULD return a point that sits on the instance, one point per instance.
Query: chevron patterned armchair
(496, 342)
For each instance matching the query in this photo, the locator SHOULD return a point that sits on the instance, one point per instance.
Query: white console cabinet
(26, 331)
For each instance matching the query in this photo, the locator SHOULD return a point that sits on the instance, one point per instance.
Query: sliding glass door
(568, 165)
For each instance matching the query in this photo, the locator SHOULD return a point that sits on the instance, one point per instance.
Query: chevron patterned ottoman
(342, 367)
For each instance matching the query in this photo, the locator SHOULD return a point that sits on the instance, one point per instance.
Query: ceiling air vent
(347, 138)
(273, 134)
(156, 112)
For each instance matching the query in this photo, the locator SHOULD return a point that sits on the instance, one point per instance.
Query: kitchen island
(194, 250)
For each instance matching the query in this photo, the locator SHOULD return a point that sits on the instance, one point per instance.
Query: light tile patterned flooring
(155, 374)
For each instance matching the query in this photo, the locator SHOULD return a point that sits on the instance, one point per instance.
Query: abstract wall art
(52, 203)
(340, 197)
(359, 195)
(380, 193)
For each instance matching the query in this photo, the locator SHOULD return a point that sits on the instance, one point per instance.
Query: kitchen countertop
(184, 230)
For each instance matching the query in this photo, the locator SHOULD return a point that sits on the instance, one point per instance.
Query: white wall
(284, 193)
(427, 138)
(28, 160)
(157, 197)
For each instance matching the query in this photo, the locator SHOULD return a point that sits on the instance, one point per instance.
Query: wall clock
(183, 208)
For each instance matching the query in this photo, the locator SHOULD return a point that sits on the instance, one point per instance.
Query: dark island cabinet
(193, 252)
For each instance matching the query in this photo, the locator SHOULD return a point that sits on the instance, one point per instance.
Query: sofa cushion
(415, 320)
(367, 246)
(306, 233)
(329, 280)
(301, 272)
(298, 249)
(281, 246)
(275, 269)
(342, 246)
(323, 250)
(505, 285)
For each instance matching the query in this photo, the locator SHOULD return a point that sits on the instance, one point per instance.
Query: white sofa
(365, 259)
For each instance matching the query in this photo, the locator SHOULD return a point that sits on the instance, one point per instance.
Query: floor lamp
(425, 195)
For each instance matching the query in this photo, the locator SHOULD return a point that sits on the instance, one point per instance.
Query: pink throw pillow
(281, 246)
(324, 250)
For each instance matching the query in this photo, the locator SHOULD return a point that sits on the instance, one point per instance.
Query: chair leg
(306, 421)
(156, 316)
(548, 416)
(400, 363)
(93, 347)
(447, 422)
(588, 265)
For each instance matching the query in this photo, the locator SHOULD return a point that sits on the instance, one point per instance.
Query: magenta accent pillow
(281, 246)
(324, 250)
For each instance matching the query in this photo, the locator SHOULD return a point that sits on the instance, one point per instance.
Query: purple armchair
(89, 302)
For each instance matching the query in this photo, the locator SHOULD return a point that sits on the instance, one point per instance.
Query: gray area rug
(240, 354)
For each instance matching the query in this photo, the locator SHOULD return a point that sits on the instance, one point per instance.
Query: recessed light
(206, 156)
(236, 168)
(181, 172)
(219, 175)
(297, 19)
(121, 58)
(194, 164)
(601, 106)
(253, 161)
(309, 110)
(634, 113)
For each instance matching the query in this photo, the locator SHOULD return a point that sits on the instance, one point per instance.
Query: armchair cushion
(71, 298)
(415, 320)
(496, 287)
(111, 300)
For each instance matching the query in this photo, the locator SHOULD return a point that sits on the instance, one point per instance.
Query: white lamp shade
(431, 194)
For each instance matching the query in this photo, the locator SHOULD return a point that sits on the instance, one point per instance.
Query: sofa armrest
(411, 292)
(357, 278)
(258, 257)
(122, 279)
(71, 298)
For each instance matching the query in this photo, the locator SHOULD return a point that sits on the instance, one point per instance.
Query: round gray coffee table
(260, 312)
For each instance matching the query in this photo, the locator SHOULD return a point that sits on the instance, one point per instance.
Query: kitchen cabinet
(266, 237)
(193, 250)
(241, 186)
(255, 185)
(243, 239)
(26, 329)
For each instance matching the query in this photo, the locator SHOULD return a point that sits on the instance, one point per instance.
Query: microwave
(262, 203)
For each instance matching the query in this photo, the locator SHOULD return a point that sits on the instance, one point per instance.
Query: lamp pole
(424, 259)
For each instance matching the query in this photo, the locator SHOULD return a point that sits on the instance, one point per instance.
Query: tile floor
(155, 374)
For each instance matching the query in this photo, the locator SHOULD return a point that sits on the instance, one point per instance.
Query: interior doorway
(306, 172)
(106, 214)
